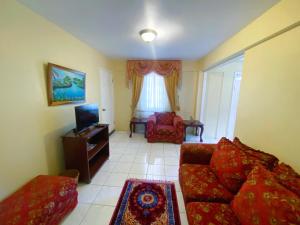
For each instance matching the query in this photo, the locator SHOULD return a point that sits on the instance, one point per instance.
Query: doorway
(221, 88)
(107, 99)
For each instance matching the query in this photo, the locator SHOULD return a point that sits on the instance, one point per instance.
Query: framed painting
(65, 86)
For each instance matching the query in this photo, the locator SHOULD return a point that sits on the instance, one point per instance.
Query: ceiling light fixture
(148, 35)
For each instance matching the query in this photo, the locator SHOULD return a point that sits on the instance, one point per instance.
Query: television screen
(86, 115)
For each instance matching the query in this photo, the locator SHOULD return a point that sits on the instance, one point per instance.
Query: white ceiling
(187, 29)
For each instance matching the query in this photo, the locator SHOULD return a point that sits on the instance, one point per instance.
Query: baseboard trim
(113, 131)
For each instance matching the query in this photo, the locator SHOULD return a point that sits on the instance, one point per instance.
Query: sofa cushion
(199, 183)
(165, 130)
(267, 160)
(262, 200)
(206, 213)
(43, 200)
(165, 118)
(288, 177)
(230, 164)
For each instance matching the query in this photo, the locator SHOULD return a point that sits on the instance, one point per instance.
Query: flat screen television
(86, 116)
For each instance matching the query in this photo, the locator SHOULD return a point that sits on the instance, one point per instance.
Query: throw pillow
(267, 160)
(288, 177)
(230, 164)
(262, 200)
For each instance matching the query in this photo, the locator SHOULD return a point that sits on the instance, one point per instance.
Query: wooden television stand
(86, 151)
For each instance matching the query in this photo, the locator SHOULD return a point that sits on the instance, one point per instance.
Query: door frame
(203, 96)
(204, 90)
(234, 104)
(109, 73)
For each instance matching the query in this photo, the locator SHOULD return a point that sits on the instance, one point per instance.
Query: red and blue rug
(144, 202)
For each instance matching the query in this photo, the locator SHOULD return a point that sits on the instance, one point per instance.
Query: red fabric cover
(166, 130)
(267, 160)
(230, 164)
(288, 177)
(165, 136)
(192, 153)
(162, 67)
(262, 200)
(44, 200)
(207, 213)
(199, 183)
(165, 118)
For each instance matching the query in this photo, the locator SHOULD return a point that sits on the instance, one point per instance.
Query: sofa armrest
(196, 153)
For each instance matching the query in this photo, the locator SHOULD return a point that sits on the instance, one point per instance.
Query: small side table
(135, 121)
(195, 124)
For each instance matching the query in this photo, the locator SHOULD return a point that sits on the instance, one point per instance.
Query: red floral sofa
(165, 127)
(231, 183)
(45, 200)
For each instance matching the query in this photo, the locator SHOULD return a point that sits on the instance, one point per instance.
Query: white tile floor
(129, 158)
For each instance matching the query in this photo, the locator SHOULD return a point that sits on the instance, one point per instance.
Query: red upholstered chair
(43, 200)
(165, 127)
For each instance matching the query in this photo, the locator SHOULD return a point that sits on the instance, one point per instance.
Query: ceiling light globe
(148, 35)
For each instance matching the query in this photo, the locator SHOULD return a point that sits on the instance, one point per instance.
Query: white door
(107, 98)
(221, 86)
(211, 104)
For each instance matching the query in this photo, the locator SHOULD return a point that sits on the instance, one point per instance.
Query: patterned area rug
(144, 202)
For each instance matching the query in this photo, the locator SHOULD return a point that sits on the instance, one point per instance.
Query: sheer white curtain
(153, 97)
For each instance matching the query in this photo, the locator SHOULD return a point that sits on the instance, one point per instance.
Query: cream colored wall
(122, 96)
(268, 111)
(283, 15)
(30, 130)
(187, 92)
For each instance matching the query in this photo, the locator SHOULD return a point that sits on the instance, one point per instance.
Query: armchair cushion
(165, 118)
(262, 200)
(199, 183)
(166, 130)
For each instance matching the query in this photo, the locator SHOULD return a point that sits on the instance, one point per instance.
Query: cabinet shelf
(86, 151)
(94, 149)
(96, 163)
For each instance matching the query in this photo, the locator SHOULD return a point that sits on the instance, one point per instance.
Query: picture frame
(65, 85)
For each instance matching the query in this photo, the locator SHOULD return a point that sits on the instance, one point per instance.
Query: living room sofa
(232, 183)
(165, 127)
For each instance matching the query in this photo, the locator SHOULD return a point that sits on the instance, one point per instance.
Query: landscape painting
(65, 85)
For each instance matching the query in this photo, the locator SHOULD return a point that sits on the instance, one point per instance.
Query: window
(153, 97)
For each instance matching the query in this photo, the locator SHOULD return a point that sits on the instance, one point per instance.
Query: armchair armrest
(151, 119)
(178, 124)
(151, 123)
(177, 121)
(196, 153)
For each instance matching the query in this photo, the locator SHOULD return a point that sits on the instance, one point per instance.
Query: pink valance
(161, 67)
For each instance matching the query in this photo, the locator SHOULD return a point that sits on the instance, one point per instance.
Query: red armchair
(45, 200)
(165, 127)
